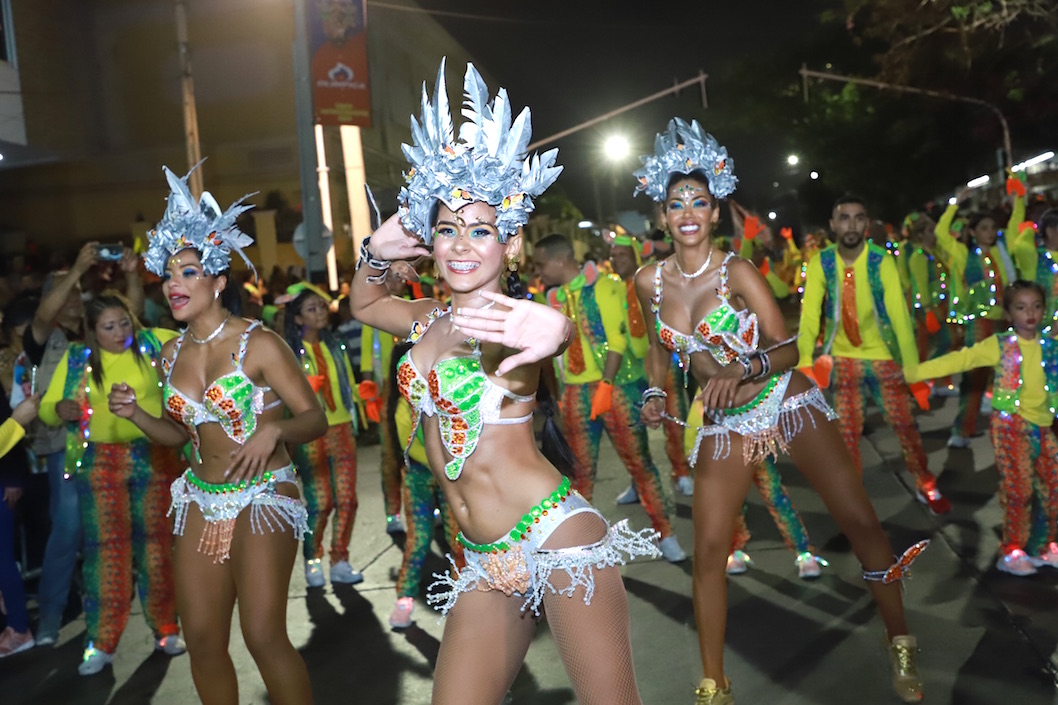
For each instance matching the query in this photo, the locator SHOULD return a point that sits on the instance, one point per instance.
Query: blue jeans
(60, 555)
(10, 579)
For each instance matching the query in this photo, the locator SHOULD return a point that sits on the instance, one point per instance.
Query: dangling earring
(436, 270)
(216, 294)
(512, 264)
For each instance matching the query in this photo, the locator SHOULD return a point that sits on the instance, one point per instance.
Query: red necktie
(850, 320)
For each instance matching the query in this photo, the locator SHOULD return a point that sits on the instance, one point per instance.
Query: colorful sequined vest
(339, 355)
(77, 386)
(982, 283)
(936, 295)
(1007, 388)
(1047, 277)
(828, 259)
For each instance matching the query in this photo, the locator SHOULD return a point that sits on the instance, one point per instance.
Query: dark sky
(571, 61)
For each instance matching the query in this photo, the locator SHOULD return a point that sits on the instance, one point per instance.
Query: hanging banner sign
(341, 88)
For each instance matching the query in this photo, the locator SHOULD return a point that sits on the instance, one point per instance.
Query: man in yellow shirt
(854, 286)
(589, 368)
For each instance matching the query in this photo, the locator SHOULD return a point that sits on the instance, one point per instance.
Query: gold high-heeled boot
(906, 681)
(709, 693)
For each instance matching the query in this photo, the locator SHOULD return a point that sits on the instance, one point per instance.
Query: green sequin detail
(227, 486)
(525, 523)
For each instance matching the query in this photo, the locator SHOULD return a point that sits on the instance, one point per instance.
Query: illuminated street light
(792, 160)
(1034, 161)
(616, 148)
(772, 215)
(813, 175)
(584, 224)
(979, 181)
(953, 201)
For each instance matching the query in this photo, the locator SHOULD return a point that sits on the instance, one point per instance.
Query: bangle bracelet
(365, 257)
(653, 393)
(747, 367)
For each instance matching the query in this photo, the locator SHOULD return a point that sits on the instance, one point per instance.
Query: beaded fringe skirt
(221, 506)
(520, 567)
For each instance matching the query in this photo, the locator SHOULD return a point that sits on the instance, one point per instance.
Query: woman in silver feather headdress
(473, 377)
(237, 512)
(717, 313)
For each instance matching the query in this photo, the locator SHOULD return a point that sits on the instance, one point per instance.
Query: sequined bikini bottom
(221, 505)
(517, 565)
(767, 423)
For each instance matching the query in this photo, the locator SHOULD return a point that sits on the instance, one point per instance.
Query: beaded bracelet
(653, 393)
(382, 265)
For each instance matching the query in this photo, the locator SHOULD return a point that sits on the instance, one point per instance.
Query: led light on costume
(486, 162)
(199, 225)
(684, 149)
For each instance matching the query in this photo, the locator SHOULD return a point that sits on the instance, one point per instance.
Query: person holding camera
(57, 323)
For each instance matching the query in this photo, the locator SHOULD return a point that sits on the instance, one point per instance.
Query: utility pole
(942, 95)
(187, 86)
(311, 212)
(699, 80)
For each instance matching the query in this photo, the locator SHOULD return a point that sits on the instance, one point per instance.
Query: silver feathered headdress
(488, 162)
(200, 225)
(683, 149)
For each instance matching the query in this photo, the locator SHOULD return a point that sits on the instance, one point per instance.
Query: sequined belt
(530, 520)
(221, 505)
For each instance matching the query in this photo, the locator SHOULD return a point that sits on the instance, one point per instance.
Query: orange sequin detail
(637, 328)
(850, 320)
(575, 352)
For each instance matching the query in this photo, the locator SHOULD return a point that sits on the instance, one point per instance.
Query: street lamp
(792, 160)
(813, 175)
(616, 148)
(772, 215)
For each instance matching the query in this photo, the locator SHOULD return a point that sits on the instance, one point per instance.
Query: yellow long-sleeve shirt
(872, 345)
(402, 416)
(376, 348)
(1032, 397)
(339, 414)
(104, 427)
(610, 295)
(11, 432)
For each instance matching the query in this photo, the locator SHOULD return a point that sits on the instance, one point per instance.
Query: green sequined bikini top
(233, 400)
(462, 397)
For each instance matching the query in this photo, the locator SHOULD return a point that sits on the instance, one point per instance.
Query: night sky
(573, 60)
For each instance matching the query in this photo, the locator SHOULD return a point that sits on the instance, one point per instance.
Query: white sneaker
(394, 524)
(171, 645)
(342, 572)
(957, 441)
(1017, 563)
(685, 485)
(670, 549)
(400, 617)
(1048, 558)
(93, 661)
(314, 574)
(738, 563)
(809, 567)
(629, 496)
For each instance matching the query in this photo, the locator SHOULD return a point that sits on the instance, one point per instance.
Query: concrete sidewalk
(985, 637)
